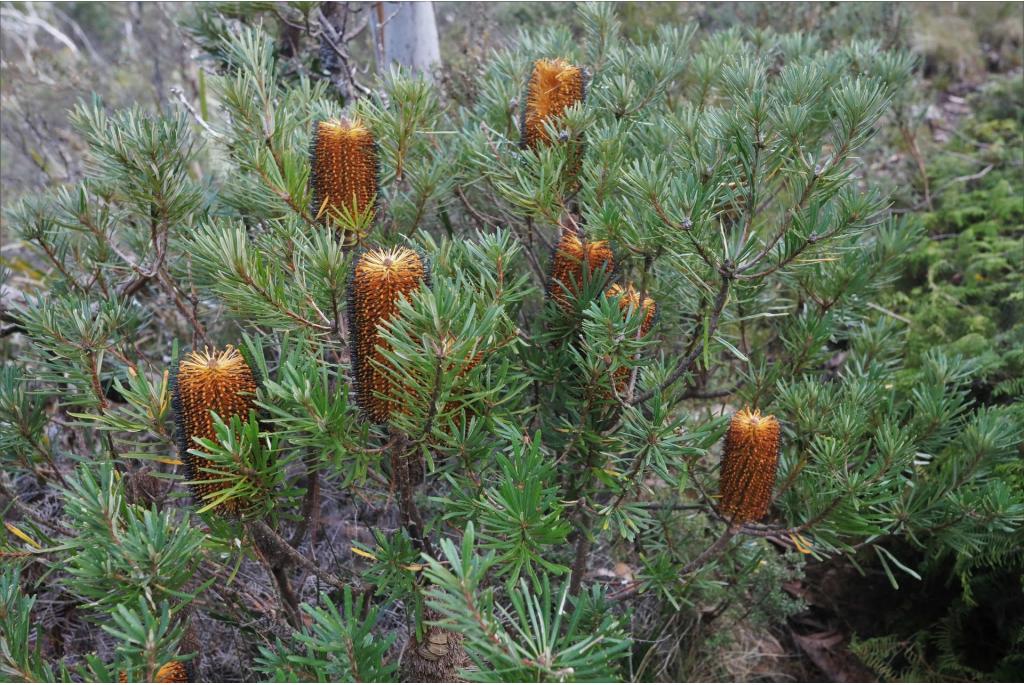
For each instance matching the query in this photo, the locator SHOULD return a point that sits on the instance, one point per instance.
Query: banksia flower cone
(554, 86)
(343, 170)
(629, 298)
(436, 658)
(211, 380)
(572, 255)
(380, 278)
(171, 672)
(748, 466)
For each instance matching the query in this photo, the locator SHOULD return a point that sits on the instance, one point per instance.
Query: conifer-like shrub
(487, 417)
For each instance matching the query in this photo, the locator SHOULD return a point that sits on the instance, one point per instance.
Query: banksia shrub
(629, 299)
(209, 381)
(343, 171)
(734, 176)
(380, 278)
(573, 256)
(749, 463)
(554, 86)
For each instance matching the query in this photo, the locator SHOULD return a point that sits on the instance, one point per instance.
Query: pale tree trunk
(406, 33)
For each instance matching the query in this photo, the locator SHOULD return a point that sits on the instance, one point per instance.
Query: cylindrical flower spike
(343, 172)
(749, 463)
(629, 298)
(554, 86)
(211, 380)
(572, 252)
(171, 672)
(380, 278)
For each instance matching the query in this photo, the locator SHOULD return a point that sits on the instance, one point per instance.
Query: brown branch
(804, 196)
(278, 546)
(333, 40)
(583, 542)
(684, 227)
(310, 516)
(712, 552)
(697, 345)
(177, 93)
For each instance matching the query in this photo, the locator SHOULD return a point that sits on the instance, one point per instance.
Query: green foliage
(122, 551)
(148, 638)
(961, 290)
(524, 499)
(339, 646)
(541, 637)
(20, 657)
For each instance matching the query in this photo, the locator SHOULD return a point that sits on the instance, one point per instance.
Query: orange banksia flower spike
(380, 278)
(573, 256)
(171, 672)
(749, 462)
(629, 298)
(211, 380)
(344, 173)
(554, 86)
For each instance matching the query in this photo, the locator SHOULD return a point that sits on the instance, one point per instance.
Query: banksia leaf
(554, 86)
(211, 380)
(471, 364)
(343, 172)
(749, 463)
(380, 278)
(573, 256)
(629, 299)
(171, 672)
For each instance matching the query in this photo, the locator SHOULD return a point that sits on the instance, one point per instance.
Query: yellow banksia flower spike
(171, 672)
(749, 463)
(210, 380)
(344, 172)
(380, 278)
(554, 86)
(571, 256)
(629, 299)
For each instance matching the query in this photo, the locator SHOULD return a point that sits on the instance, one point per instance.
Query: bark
(406, 33)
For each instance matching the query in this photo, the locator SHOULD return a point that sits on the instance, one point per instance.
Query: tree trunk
(406, 33)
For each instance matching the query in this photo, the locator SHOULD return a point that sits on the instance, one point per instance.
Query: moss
(963, 287)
